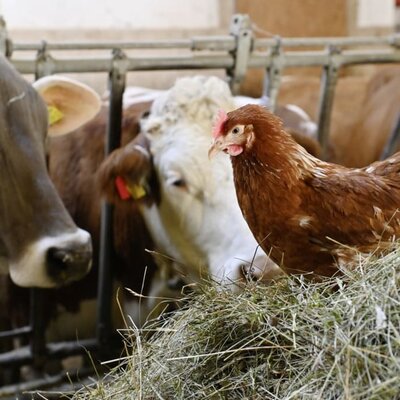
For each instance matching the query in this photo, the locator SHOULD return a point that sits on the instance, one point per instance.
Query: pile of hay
(339, 339)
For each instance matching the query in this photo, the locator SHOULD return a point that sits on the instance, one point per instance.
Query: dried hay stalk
(339, 339)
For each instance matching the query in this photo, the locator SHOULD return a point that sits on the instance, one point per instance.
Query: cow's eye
(178, 183)
(175, 179)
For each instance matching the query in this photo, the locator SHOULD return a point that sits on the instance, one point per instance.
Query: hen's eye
(235, 130)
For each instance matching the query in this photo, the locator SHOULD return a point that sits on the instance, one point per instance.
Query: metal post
(328, 83)
(272, 80)
(44, 62)
(240, 29)
(37, 303)
(393, 141)
(117, 78)
(38, 324)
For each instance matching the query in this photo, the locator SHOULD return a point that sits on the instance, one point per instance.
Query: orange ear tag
(122, 189)
(125, 191)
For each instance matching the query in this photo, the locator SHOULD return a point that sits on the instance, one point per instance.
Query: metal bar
(334, 41)
(29, 390)
(18, 332)
(393, 141)
(38, 323)
(27, 66)
(327, 92)
(321, 58)
(217, 43)
(272, 80)
(240, 29)
(117, 79)
(44, 62)
(222, 43)
(211, 61)
(23, 355)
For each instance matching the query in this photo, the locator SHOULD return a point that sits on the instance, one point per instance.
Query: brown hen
(309, 215)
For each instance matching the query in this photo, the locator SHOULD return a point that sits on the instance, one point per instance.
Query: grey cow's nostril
(65, 265)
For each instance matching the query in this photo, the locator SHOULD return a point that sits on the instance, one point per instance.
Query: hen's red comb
(219, 122)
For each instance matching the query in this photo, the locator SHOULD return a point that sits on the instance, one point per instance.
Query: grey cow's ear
(127, 174)
(70, 103)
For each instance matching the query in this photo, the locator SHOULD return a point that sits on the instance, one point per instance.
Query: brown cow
(365, 111)
(377, 118)
(349, 94)
(39, 243)
(70, 311)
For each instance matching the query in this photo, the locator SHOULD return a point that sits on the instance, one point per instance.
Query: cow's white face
(199, 211)
(190, 207)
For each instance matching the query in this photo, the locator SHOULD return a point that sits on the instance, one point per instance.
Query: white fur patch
(142, 150)
(30, 268)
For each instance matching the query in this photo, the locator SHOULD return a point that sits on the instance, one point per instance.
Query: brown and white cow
(39, 242)
(190, 209)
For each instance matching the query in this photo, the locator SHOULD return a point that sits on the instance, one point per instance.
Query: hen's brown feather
(308, 214)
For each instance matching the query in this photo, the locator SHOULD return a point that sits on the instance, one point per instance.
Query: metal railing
(235, 53)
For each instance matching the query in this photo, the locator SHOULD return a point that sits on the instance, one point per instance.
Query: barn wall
(120, 20)
(96, 20)
(315, 18)
(297, 18)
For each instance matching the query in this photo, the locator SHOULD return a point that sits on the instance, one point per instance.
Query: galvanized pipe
(217, 43)
(17, 332)
(391, 40)
(24, 355)
(272, 80)
(196, 43)
(327, 92)
(38, 324)
(117, 79)
(393, 142)
(240, 30)
(75, 65)
(216, 61)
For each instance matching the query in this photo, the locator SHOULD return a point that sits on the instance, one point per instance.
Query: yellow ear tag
(136, 191)
(55, 114)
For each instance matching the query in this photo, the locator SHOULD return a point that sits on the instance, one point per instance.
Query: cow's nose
(69, 262)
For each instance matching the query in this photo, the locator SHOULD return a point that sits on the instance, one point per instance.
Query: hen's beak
(216, 146)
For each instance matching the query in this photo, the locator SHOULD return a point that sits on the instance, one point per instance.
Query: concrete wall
(124, 20)
(112, 14)
(315, 18)
(117, 20)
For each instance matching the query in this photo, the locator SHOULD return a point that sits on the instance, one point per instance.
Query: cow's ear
(70, 103)
(127, 173)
